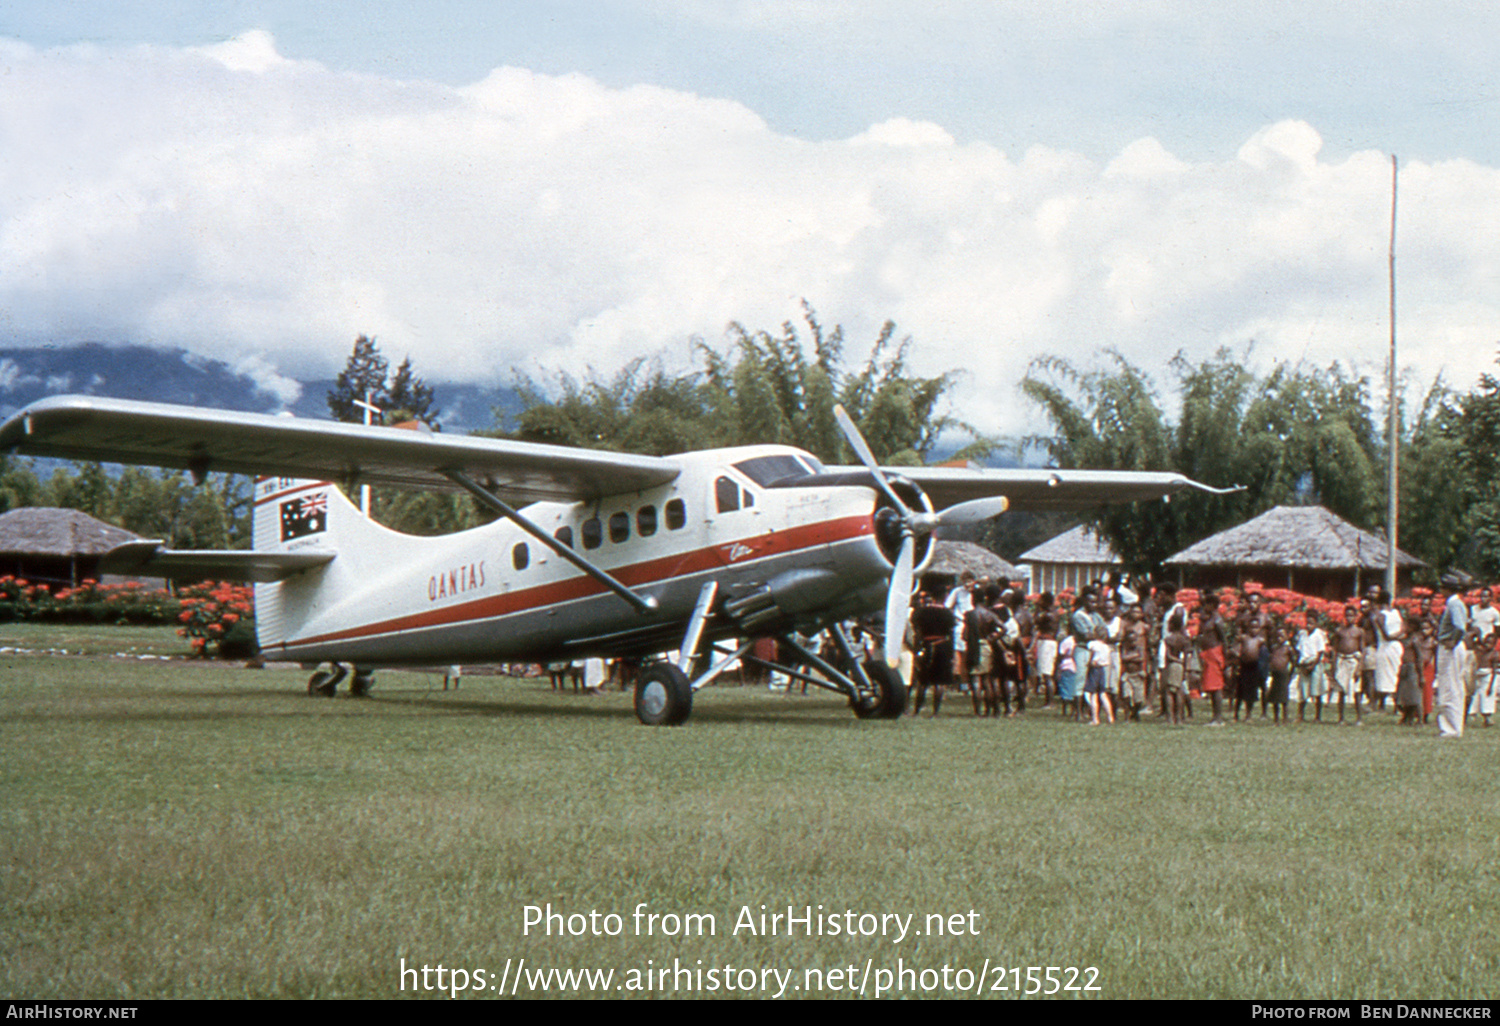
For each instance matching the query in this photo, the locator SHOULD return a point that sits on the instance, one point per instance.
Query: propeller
(972, 512)
(857, 443)
(913, 524)
(898, 600)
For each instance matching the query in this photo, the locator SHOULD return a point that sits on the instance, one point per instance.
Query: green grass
(189, 830)
(98, 639)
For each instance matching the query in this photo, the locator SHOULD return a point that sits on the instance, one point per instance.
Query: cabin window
(520, 556)
(619, 527)
(726, 495)
(676, 515)
(768, 470)
(565, 535)
(645, 521)
(593, 533)
(749, 498)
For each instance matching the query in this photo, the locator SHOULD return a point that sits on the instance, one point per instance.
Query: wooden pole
(1393, 430)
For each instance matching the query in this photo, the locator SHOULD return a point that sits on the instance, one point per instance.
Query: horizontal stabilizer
(153, 559)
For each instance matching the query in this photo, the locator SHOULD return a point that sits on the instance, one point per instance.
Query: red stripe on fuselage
(779, 543)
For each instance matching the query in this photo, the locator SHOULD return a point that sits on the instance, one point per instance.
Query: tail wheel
(325, 682)
(888, 701)
(663, 695)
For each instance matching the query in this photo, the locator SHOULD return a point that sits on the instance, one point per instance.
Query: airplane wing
(153, 559)
(203, 441)
(1039, 489)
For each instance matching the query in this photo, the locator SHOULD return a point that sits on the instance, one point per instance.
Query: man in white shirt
(1389, 630)
(1450, 659)
(960, 600)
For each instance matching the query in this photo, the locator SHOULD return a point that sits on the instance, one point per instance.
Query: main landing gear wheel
(889, 700)
(325, 682)
(361, 683)
(663, 695)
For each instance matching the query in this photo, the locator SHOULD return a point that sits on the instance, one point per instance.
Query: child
(1280, 666)
(1067, 667)
(1174, 675)
(1485, 684)
(1312, 683)
(1096, 687)
(1409, 678)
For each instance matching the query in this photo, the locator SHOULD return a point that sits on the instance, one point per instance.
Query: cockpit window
(726, 495)
(767, 470)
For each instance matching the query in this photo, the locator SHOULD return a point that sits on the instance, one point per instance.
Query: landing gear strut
(324, 683)
(874, 690)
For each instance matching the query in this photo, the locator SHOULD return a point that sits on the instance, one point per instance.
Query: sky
(543, 187)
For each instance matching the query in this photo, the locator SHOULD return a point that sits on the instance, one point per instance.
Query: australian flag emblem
(304, 516)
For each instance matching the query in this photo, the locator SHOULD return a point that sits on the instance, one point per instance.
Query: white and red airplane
(596, 553)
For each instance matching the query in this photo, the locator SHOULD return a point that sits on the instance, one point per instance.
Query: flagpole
(1393, 429)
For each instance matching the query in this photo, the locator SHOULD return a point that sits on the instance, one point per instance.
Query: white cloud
(265, 211)
(905, 132)
(253, 51)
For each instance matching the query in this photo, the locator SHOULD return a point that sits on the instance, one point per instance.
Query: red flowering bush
(218, 616)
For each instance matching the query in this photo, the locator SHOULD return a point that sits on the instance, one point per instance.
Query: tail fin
(293, 515)
(365, 560)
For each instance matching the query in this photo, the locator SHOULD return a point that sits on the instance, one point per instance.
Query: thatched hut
(1302, 548)
(1071, 560)
(950, 559)
(55, 546)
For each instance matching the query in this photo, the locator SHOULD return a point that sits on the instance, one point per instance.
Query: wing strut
(642, 603)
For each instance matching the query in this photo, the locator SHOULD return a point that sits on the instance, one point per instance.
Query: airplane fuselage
(497, 594)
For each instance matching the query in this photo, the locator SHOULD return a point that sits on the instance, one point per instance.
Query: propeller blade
(898, 602)
(972, 512)
(857, 443)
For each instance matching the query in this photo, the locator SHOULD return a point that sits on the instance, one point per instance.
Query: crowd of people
(1114, 653)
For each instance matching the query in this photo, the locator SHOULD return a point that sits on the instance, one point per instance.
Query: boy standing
(1349, 661)
(1312, 647)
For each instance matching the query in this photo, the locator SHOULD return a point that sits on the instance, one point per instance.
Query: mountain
(150, 374)
(176, 376)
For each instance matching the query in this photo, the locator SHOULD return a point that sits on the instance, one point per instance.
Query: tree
(764, 389)
(1471, 429)
(1296, 436)
(1113, 420)
(363, 379)
(165, 504)
(641, 409)
(1435, 490)
(19, 485)
(367, 378)
(398, 399)
(410, 398)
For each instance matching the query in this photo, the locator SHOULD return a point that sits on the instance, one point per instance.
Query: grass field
(186, 830)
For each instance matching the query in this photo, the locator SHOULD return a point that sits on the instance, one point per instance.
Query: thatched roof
(1080, 545)
(43, 531)
(1293, 536)
(954, 557)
